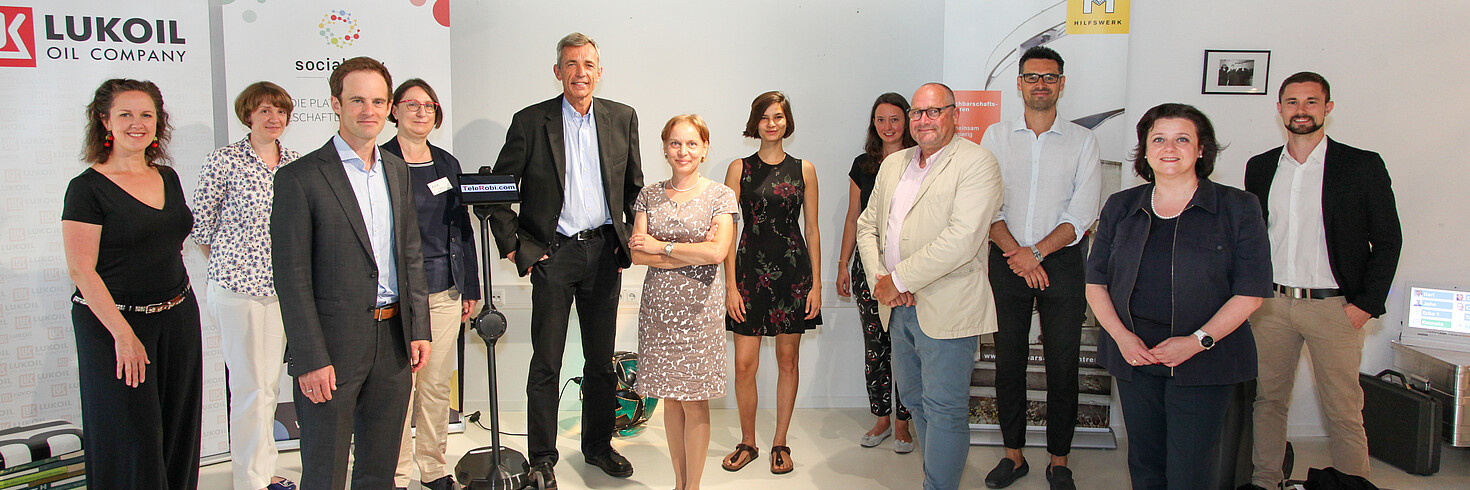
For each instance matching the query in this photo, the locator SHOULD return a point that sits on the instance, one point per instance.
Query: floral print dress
(773, 270)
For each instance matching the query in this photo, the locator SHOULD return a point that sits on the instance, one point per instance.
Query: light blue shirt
(1050, 179)
(584, 203)
(371, 189)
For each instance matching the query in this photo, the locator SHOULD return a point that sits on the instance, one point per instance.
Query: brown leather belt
(1304, 293)
(144, 309)
(385, 312)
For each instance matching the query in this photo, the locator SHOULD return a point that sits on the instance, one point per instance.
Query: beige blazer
(945, 238)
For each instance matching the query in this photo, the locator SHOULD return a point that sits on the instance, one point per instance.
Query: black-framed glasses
(414, 106)
(1036, 77)
(933, 112)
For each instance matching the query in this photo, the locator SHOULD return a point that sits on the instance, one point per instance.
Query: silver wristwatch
(1036, 253)
(669, 249)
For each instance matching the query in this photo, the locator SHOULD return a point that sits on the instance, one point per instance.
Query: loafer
(1005, 473)
(1060, 478)
(612, 463)
(444, 483)
(875, 440)
(903, 447)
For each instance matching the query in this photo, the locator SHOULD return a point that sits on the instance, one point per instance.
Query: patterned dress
(773, 270)
(681, 349)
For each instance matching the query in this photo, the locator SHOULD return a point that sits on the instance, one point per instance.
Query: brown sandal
(735, 461)
(778, 460)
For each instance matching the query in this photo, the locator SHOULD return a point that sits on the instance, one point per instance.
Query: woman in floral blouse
(232, 211)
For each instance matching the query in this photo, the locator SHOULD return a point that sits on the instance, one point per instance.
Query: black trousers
(877, 349)
(584, 272)
(1172, 430)
(1062, 306)
(365, 413)
(144, 437)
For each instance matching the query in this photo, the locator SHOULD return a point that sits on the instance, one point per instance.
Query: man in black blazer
(1335, 243)
(349, 272)
(576, 158)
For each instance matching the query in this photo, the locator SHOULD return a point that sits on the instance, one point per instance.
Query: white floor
(824, 446)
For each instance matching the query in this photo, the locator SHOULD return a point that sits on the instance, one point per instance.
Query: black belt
(1304, 293)
(587, 234)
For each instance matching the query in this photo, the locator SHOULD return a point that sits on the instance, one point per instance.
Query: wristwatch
(1205, 340)
(669, 249)
(1036, 253)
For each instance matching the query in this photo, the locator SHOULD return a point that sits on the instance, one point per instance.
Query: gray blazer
(323, 264)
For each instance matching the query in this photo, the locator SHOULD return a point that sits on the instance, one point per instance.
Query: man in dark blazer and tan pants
(1335, 241)
(349, 272)
(576, 158)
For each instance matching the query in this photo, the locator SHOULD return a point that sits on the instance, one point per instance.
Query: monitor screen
(1437, 317)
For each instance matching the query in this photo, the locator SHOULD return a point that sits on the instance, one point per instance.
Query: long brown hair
(94, 146)
(874, 145)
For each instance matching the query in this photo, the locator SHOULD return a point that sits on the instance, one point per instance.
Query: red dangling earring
(155, 142)
(108, 141)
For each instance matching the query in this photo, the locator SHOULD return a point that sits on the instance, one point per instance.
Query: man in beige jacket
(927, 225)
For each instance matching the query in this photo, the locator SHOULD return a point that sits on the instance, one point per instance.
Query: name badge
(439, 186)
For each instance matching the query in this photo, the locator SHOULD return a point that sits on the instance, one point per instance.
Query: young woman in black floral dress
(887, 133)
(773, 277)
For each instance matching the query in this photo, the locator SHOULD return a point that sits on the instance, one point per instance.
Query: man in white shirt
(1050, 169)
(1335, 241)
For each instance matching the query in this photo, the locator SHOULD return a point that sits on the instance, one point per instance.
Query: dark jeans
(1062, 306)
(584, 271)
(144, 437)
(365, 414)
(1172, 430)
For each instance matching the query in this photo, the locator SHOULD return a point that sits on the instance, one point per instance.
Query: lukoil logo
(17, 37)
(338, 28)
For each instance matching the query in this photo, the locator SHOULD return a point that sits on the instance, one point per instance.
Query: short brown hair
(360, 63)
(573, 40)
(692, 120)
(758, 109)
(1209, 147)
(95, 148)
(262, 93)
(1306, 77)
(420, 83)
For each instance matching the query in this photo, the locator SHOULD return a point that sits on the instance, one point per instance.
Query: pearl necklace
(1153, 197)
(670, 184)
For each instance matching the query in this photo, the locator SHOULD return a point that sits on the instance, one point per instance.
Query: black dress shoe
(444, 483)
(1005, 473)
(612, 463)
(1060, 478)
(548, 475)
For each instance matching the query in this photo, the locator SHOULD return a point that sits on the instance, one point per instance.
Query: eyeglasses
(1036, 77)
(933, 113)
(414, 106)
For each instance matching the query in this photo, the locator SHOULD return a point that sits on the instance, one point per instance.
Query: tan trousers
(1281, 326)
(428, 405)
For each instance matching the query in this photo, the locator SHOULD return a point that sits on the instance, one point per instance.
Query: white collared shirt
(1050, 179)
(904, 195)
(1298, 236)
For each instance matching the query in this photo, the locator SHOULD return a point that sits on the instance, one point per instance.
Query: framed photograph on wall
(1235, 72)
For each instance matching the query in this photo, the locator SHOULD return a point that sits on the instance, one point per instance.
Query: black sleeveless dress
(773, 270)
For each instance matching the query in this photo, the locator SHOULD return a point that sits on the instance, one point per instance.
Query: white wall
(666, 58)
(1397, 78)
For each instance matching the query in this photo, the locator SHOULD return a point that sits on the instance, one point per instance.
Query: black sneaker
(612, 463)
(1005, 473)
(1060, 478)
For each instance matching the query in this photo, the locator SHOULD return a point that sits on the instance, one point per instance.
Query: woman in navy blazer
(449, 268)
(1177, 266)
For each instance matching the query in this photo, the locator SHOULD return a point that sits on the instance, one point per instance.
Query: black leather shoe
(612, 463)
(1060, 478)
(548, 475)
(1005, 473)
(445, 483)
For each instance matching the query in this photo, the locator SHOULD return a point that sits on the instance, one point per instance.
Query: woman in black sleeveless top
(136, 321)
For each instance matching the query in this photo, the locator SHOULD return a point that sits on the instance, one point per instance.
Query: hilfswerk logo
(17, 37)
(339, 28)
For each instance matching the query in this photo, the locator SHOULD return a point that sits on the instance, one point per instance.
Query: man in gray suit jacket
(349, 272)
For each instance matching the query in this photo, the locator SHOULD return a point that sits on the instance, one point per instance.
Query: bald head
(933, 131)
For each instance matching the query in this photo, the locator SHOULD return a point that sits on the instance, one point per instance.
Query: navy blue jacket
(1220, 250)
(462, 264)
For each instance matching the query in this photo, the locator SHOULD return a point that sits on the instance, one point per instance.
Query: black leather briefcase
(1403, 422)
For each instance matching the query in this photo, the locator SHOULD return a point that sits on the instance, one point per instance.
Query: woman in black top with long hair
(888, 132)
(136, 321)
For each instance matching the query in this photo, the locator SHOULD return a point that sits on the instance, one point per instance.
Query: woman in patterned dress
(682, 231)
(232, 217)
(773, 278)
(887, 133)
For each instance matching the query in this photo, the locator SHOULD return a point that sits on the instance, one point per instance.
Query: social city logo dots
(339, 28)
